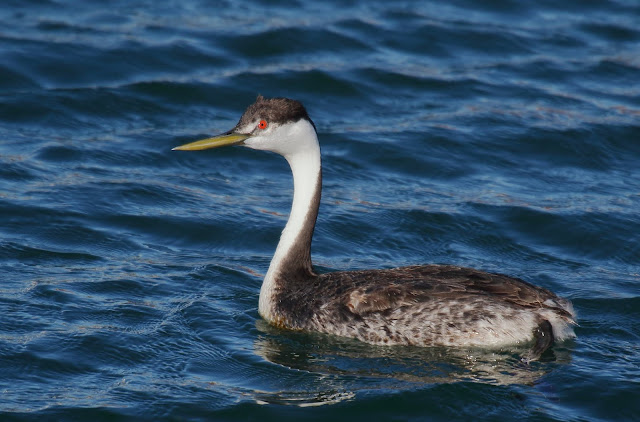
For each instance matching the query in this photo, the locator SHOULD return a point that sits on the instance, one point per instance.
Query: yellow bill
(215, 142)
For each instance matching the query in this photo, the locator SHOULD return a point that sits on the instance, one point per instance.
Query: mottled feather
(422, 305)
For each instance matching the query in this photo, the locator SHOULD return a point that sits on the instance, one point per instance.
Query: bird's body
(430, 305)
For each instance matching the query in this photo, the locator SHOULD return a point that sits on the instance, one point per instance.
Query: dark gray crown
(274, 110)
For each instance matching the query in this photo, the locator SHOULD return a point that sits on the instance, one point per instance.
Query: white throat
(294, 247)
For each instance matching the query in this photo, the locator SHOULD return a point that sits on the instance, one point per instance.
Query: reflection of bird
(418, 305)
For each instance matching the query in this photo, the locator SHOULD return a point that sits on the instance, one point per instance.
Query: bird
(434, 305)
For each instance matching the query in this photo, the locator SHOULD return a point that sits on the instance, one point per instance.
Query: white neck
(292, 259)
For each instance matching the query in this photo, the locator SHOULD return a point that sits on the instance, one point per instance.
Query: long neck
(291, 262)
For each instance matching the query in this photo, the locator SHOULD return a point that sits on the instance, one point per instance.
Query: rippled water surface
(501, 135)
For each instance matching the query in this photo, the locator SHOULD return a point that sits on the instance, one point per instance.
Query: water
(500, 135)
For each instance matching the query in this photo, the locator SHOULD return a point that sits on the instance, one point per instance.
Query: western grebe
(430, 305)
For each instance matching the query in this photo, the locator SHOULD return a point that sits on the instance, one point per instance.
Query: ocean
(500, 135)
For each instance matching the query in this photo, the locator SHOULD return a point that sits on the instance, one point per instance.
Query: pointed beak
(223, 140)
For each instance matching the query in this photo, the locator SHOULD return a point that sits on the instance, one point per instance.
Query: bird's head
(280, 125)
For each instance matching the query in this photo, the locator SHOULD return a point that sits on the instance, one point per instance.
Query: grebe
(429, 305)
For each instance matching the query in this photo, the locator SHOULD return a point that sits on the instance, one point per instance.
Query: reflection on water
(346, 366)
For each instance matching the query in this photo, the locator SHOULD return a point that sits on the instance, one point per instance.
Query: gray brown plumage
(432, 305)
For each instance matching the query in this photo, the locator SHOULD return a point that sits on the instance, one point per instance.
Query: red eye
(262, 124)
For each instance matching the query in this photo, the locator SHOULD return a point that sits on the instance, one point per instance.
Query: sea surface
(502, 135)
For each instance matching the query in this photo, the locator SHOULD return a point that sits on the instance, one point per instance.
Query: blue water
(501, 135)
